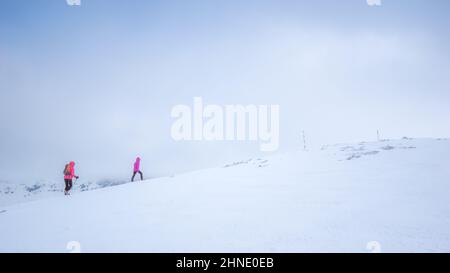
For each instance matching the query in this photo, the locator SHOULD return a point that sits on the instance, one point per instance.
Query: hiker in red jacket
(137, 169)
(69, 174)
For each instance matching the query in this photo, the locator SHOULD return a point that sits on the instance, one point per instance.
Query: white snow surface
(13, 193)
(391, 194)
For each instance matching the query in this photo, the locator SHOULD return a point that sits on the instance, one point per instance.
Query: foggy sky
(96, 83)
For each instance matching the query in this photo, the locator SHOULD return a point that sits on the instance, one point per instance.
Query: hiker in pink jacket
(69, 174)
(137, 169)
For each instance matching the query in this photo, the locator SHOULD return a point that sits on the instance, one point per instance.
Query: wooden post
(304, 141)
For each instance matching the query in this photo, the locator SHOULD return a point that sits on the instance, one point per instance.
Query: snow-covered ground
(342, 198)
(13, 193)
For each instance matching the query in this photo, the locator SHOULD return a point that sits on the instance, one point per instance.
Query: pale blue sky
(96, 83)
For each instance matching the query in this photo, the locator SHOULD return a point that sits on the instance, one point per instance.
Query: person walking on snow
(137, 169)
(69, 174)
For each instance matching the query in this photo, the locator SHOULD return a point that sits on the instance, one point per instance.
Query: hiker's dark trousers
(68, 184)
(134, 174)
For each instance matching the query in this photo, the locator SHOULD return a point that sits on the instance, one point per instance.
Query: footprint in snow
(359, 155)
(371, 153)
(407, 148)
(352, 149)
(2, 211)
(261, 163)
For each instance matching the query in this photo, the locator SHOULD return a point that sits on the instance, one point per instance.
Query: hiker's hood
(72, 163)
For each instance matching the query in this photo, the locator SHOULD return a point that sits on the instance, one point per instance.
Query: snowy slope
(338, 199)
(13, 193)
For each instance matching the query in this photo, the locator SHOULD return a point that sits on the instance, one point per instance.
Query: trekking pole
(73, 186)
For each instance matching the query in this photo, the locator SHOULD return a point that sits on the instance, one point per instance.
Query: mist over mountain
(96, 83)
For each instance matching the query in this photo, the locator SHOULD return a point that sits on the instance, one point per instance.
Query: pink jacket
(137, 164)
(72, 171)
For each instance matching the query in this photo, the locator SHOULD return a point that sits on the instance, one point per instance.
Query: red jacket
(72, 171)
(137, 164)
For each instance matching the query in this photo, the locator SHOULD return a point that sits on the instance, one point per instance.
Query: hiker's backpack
(67, 170)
